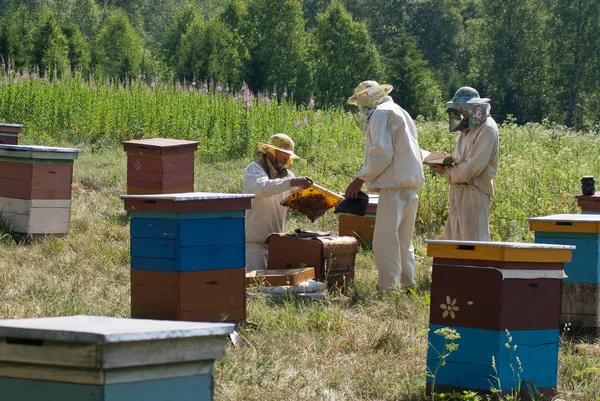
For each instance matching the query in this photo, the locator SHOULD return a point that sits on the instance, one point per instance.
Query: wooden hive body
(9, 133)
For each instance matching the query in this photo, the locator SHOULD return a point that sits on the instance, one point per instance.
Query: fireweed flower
(193, 83)
(297, 124)
(219, 88)
(321, 124)
(306, 120)
(274, 94)
(285, 94)
(311, 103)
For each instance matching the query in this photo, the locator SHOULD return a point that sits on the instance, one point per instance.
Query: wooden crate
(279, 277)
(209, 295)
(493, 294)
(333, 257)
(9, 133)
(95, 358)
(159, 165)
(360, 227)
(581, 306)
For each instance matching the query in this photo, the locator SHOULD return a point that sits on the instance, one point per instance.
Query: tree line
(538, 60)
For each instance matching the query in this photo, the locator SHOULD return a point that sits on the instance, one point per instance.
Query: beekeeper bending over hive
(271, 180)
(476, 163)
(392, 167)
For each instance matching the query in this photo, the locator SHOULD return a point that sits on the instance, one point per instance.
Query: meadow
(361, 345)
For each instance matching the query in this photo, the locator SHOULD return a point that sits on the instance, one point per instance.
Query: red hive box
(160, 166)
(589, 203)
(333, 258)
(9, 133)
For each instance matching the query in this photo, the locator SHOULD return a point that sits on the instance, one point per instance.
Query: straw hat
(369, 93)
(280, 142)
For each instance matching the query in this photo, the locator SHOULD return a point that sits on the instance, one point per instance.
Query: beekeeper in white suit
(271, 180)
(476, 163)
(392, 167)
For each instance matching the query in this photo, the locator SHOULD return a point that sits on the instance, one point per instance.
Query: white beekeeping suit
(392, 167)
(471, 178)
(270, 179)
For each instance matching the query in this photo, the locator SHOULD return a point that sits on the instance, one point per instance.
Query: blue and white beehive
(188, 256)
(581, 291)
(95, 358)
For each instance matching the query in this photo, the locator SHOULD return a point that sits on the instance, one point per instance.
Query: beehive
(360, 227)
(581, 290)
(95, 358)
(589, 203)
(188, 256)
(35, 188)
(504, 301)
(9, 133)
(160, 166)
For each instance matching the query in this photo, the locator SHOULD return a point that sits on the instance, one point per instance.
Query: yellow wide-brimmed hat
(280, 142)
(369, 93)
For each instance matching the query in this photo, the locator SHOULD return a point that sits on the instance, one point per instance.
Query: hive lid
(160, 146)
(579, 223)
(101, 329)
(187, 202)
(313, 201)
(35, 153)
(499, 251)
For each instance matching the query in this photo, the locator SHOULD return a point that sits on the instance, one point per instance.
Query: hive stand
(188, 256)
(35, 188)
(494, 294)
(96, 358)
(160, 166)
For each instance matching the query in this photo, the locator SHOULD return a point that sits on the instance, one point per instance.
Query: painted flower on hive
(449, 307)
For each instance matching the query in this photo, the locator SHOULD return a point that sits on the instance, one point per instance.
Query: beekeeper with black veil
(392, 167)
(476, 163)
(268, 177)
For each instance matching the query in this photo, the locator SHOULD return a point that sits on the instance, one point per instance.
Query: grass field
(360, 346)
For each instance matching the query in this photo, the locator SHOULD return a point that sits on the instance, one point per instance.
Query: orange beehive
(160, 166)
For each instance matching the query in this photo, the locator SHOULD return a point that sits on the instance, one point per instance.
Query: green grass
(358, 346)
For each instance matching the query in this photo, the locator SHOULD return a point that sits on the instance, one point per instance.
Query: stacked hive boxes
(188, 256)
(95, 358)
(360, 227)
(9, 133)
(160, 166)
(581, 290)
(503, 299)
(589, 203)
(35, 188)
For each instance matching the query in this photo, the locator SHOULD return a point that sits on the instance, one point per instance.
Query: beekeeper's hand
(354, 188)
(438, 168)
(302, 182)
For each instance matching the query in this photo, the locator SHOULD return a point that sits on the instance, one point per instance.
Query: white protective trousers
(469, 215)
(256, 256)
(392, 237)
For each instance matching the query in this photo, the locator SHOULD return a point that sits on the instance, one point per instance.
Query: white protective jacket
(477, 153)
(391, 161)
(266, 215)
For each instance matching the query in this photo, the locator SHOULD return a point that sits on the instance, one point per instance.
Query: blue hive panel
(155, 264)
(188, 388)
(212, 257)
(154, 228)
(212, 231)
(470, 366)
(154, 248)
(584, 267)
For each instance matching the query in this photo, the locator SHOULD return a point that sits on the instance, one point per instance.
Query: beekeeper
(271, 180)
(392, 167)
(476, 163)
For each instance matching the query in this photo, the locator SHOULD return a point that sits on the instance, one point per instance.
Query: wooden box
(484, 290)
(159, 166)
(210, 295)
(580, 305)
(95, 358)
(35, 188)
(332, 257)
(9, 133)
(360, 227)
(279, 277)
(589, 203)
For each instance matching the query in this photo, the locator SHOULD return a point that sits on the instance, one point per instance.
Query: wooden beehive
(581, 290)
(332, 257)
(589, 203)
(160, 166)
(188, 256)
(96, 358)
(9, 133)
(360, 227)
(494, 294)
(35, 188)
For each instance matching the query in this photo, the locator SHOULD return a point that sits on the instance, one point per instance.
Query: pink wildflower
(311, 103)
(306, 120)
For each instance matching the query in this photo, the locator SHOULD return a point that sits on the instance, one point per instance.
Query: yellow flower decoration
(449, 307)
